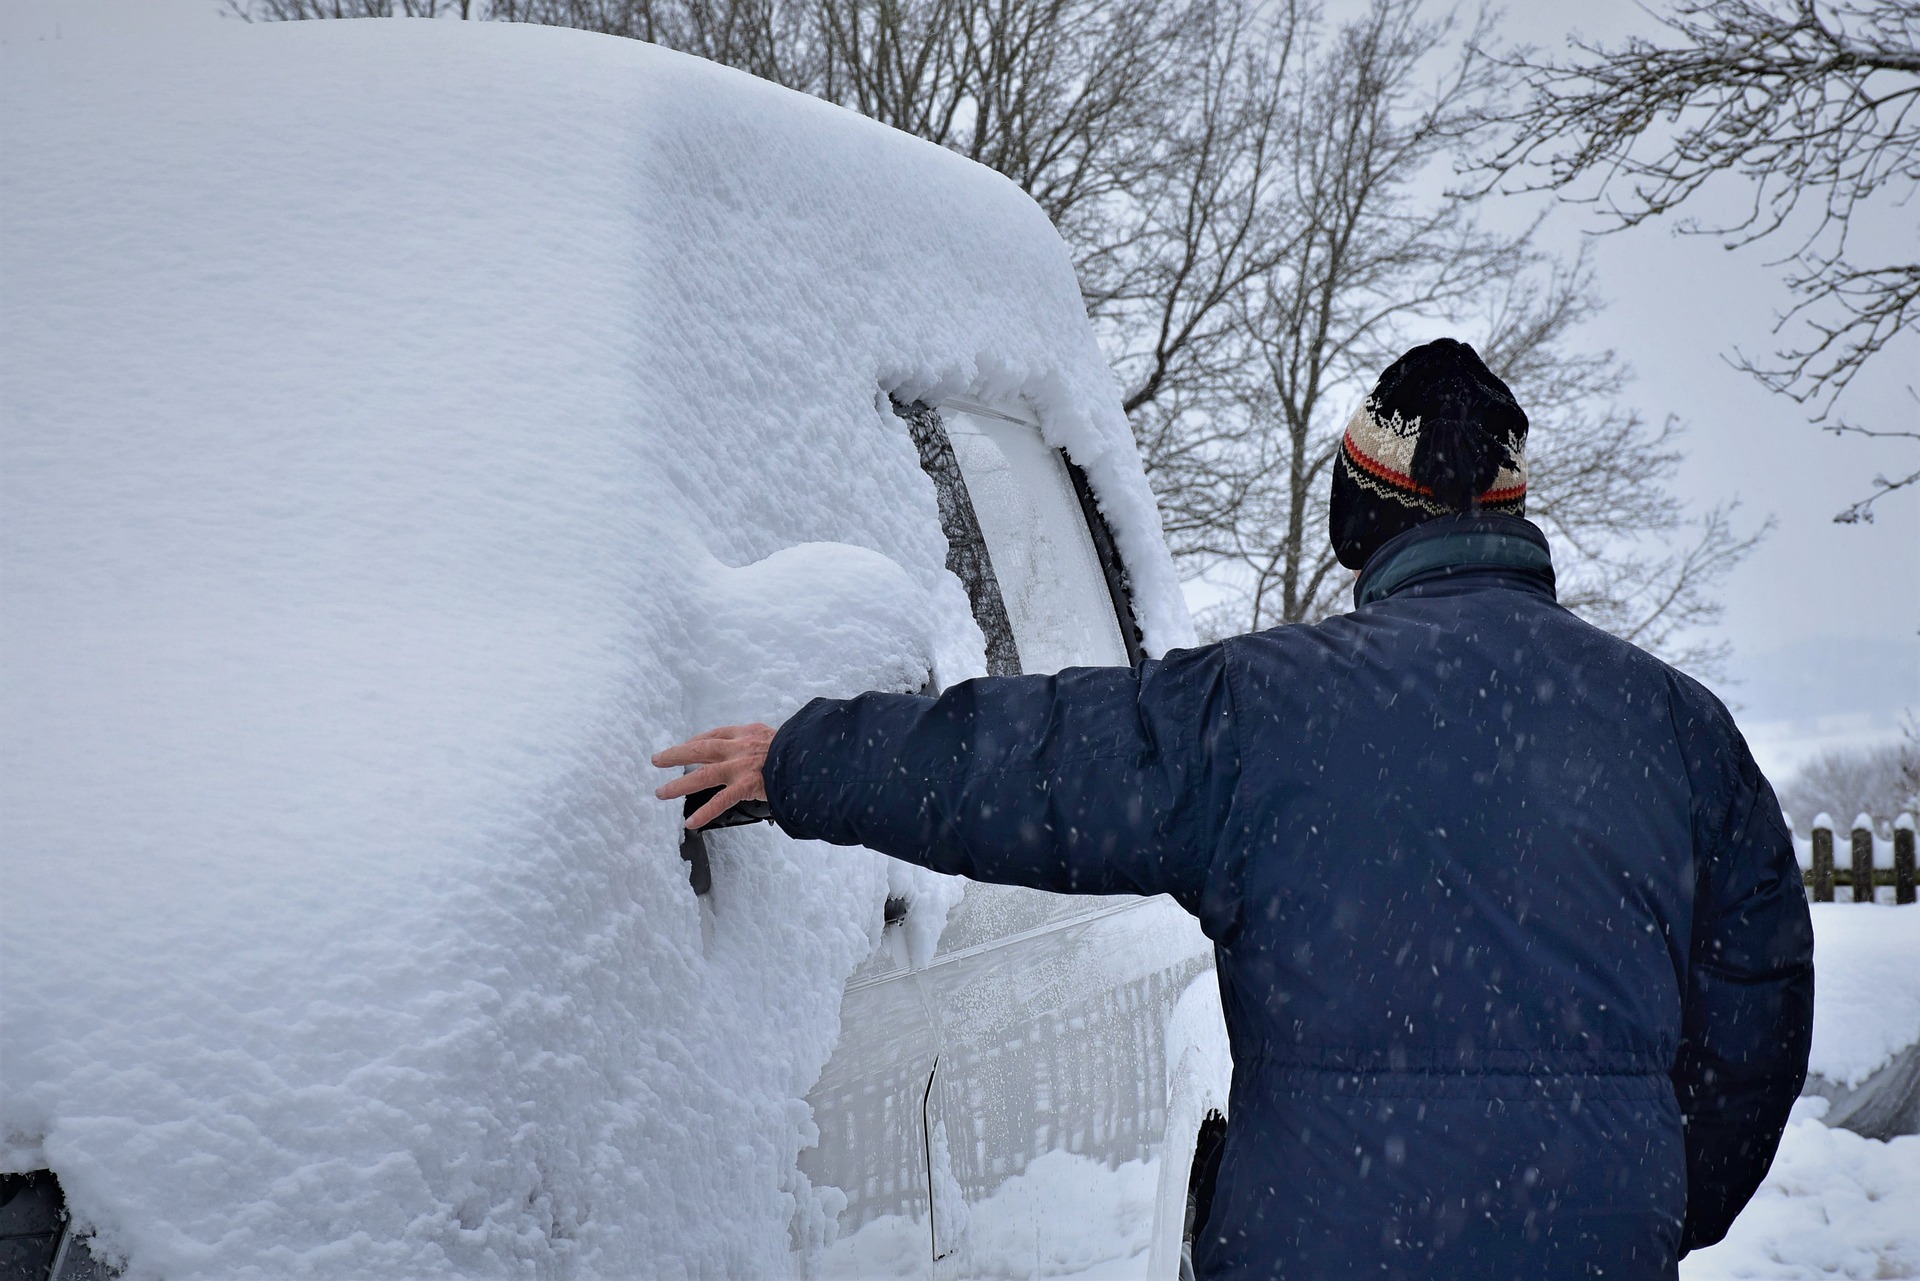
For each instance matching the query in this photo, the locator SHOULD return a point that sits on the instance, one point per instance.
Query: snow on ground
(409, 427)
(1866, 1008)
(1834, 1205)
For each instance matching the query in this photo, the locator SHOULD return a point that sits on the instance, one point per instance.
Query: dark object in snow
(1884, 1106)
(1440, 435)
(32, 1217)
(738, 816)
(1514, 955)
(1207, 1147)
(36, 1240)
(693, 851)
(693, 842)
(1863, 887)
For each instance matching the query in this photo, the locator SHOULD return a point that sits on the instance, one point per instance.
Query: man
(1516, 964)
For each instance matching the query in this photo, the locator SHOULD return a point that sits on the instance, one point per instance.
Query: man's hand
(730, 758)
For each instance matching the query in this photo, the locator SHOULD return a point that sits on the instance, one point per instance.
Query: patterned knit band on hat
(1439, 436)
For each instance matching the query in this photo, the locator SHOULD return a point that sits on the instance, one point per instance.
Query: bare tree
(778, 40)
(1241, 186)
(1813, 102)
(1369, 264)
(1050, 92)
(1171, 264)
(1910, 764)
(293, 10)
(1883, 782)
(1365, 263)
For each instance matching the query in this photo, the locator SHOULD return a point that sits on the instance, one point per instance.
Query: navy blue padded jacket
(1515, 959)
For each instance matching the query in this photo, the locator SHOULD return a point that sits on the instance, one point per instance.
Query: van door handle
(693, 841)
(693, 845)
(739, 816)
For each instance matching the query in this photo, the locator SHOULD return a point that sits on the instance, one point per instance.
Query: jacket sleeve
(1748, 1020)
(1094, 781)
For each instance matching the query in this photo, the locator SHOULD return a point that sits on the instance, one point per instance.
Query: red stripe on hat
(1404, 481)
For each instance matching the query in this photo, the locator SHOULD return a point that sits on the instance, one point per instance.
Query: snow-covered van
(408, 428)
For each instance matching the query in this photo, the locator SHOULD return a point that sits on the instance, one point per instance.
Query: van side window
(1119, 583)
(1061, 587)
(968, 558)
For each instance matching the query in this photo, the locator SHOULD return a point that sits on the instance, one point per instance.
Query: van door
(870, 1106)
(1051, 1098)
(1049, 1009)
(1028, 1050)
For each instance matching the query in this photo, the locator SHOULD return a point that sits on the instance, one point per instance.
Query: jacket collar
(1507, 546)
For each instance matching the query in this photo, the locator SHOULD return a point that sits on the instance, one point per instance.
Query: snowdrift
(408, 427)
(1833, 1205)
(1865, 1059)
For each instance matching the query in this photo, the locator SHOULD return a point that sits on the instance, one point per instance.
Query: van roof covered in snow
(408, 428)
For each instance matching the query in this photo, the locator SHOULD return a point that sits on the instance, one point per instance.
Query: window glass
(967, 556)
(1056, 595)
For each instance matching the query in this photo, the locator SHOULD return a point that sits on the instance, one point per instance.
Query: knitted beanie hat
(1439, 436)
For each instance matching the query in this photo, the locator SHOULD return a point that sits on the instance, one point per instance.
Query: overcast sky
(1825, 618)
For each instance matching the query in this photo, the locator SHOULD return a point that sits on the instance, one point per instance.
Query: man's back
(1464, 869)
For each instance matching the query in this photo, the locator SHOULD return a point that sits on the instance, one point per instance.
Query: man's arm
(1095, 781)
(1748, 1021)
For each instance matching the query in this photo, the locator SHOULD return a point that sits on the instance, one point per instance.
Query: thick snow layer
(1866, 963)
(1834, 1205)
(408, 428)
